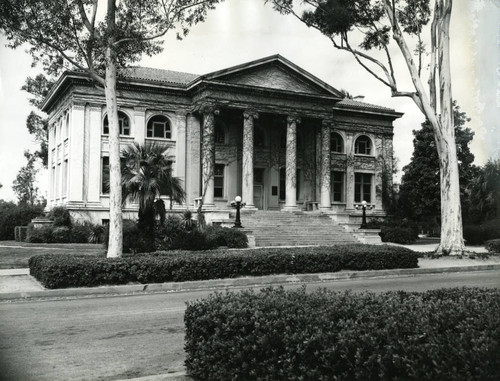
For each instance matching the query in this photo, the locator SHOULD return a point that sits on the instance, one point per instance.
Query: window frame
(361, 186)
(370, 147)
(340, 184)
(221, 177)
(167, 127)
(122, 116)
(341, 141)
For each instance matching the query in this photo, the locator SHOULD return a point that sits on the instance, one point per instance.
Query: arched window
(220, 134)
(159, 127)
(123, 122)
(259, 137)
(363, 145)
(336, 143)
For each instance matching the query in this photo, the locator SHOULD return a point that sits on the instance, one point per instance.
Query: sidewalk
(18, 284)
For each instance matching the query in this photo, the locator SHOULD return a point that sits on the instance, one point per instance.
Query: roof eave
(386, 113)
(65, 77)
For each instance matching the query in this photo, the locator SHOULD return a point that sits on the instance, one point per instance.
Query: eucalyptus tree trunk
(441, 119)
(452, 242)
(115, 190)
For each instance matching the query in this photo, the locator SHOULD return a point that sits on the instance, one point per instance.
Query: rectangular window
(124, 127)
(363, 187)
(219, 180)
(337, 179)
(105, 175)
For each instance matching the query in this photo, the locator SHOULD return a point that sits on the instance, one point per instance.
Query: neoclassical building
(266, 130)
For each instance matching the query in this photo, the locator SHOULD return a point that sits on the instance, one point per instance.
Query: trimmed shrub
(403, 235)
(193, 240)
(60, 215)
(493, 246)
(221, 236)
(80, 232)
(61, 234)
(41, 234)
(446, 334)
(59, 270)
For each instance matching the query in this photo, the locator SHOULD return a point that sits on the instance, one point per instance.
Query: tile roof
(351, 103)
(158, 75)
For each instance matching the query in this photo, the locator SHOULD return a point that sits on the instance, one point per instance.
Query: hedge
(446, 334)
(65, 270)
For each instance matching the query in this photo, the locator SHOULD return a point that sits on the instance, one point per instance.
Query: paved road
(112, 338)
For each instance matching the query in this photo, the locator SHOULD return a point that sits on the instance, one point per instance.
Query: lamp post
(238, 205)
(364, 205)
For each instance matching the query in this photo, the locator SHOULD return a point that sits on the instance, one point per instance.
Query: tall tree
(419, 194)
(71, 32)
(25, 183)
(37, 125)
(147, 175)
(484, 190)
(403, 20)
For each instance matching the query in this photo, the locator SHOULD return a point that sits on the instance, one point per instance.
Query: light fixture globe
(364, 202)
(237, 199)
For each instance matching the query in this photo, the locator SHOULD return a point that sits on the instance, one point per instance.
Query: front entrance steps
(275, 228)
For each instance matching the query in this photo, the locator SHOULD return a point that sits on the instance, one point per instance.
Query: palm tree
(147, 175)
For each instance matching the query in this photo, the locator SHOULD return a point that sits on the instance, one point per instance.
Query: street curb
(178, 376)
(284, 279)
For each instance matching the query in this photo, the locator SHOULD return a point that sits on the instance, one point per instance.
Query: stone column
(193, 157)
(291, 163)
(247, 166)
(325, 202)
(349, 175)
(208, 154)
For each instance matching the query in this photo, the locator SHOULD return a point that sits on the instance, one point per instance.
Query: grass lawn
(14, 255)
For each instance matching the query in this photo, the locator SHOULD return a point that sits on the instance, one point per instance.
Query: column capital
(293, 119)
(250, 113)
(327, 123)
(207, 108)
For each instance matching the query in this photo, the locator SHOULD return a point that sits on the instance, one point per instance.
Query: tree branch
(168, 21)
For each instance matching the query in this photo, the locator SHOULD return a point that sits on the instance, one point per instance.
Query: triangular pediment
(274, 73)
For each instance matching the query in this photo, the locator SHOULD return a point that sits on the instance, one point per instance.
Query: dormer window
(123, 122)
(159, 127)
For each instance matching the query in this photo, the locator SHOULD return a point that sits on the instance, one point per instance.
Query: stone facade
(266, 130)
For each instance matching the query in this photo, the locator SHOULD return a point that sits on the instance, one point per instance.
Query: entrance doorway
(258, 188)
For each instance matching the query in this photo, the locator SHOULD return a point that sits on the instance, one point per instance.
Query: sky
(239, 31)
